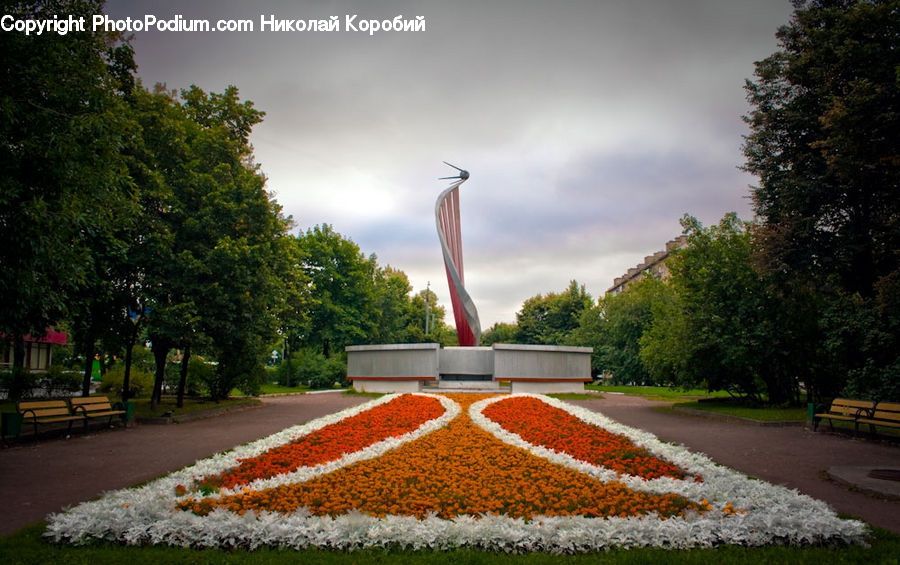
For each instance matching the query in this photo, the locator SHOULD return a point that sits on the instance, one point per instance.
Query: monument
(446, 214)
(413, 366)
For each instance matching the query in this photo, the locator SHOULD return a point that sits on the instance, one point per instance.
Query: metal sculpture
(446, 213)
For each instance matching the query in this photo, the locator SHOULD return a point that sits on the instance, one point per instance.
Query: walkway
(790, 456)
(43, 477)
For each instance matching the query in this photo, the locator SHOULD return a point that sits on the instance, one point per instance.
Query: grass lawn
(660, 392)
(191, 406)
(792, 414)
(27, 546)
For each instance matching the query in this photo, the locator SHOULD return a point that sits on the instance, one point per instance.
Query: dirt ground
(38, 478)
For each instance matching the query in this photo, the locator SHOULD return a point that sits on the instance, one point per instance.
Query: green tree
(551, 318)
(393, 306)
(438, 330)
(245, 260)
(825, 112)
(342, 286)
(61, 180)
(500, 332)
(615, 326)
(730, 336)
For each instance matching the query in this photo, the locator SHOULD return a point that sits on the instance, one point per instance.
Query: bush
(57, 381)
(320, 372)
(18, 383)
(140, 382)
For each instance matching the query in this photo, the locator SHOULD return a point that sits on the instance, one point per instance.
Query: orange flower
(459, 469)
(402, 415)
(540, 424)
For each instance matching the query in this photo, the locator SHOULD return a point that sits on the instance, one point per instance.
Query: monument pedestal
(528, 368)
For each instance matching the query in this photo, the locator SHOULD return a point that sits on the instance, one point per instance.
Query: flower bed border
(775, 515)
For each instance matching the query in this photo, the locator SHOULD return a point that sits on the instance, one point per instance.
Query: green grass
(272, 388)
(191, 406)
(574, 396)
(660, 392)
(765, 414)
(27, 547)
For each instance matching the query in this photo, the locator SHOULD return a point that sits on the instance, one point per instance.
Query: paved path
(791, 456)
(37, 478)
(43, 477)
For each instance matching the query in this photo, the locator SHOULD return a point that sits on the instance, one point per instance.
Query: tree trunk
(126, 380)
(160, 352)
(88, 367)
(18, 353)
(182, 382)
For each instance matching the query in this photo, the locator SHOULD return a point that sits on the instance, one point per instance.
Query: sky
(589, 128)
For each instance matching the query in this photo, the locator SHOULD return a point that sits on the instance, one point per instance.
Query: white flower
(146, 515)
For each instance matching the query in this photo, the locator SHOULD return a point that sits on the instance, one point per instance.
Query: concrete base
(386, 386)
(548, 387)
(487, 386)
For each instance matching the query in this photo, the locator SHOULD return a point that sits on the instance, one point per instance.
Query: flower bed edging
(146, 515)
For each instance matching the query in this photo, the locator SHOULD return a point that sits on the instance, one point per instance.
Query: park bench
(885, 414)
(93, 407)
(40, 412)
(845, 410)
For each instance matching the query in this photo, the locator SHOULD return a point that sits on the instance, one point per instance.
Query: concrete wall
(541, 362)
(466, 361)
(386, 385)
(530, 368)
(394, 360)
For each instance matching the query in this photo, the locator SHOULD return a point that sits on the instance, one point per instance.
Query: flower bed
(459, 474)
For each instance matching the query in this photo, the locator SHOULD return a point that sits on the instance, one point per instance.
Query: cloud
(589, 127)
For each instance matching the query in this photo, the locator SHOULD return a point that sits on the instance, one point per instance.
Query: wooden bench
(885, 414)
(91, 407)
(845, 410)
(47, 412)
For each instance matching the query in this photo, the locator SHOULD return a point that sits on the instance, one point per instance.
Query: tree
(342, 284)
(825, 112)
(61, 127)
(393, 306)
(500, 332)
(730, 336)
(438, 330)
(550, 319)
(615, 326)
(242, 253)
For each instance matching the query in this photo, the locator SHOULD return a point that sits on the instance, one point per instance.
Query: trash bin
(810, 412)
(128, 407)
(12, 424)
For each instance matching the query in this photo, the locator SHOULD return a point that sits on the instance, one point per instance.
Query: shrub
(18, 383)
(57, 381)
(140, 382)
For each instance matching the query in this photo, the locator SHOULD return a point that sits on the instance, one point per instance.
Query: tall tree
(550, 319)
(615, 326)
(824, 121)
(342, 284)
(393, 306)
(60, 169)
(825, 112)
(730, 337)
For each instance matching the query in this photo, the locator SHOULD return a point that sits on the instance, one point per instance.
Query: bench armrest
(78, 407)
(33, 414)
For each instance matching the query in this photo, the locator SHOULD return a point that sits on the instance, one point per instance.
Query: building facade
(653, 266)
(37, 350)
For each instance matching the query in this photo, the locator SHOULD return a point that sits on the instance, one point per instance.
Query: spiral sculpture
(446, 212)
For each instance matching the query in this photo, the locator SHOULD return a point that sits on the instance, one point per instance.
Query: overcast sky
(589, 127)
